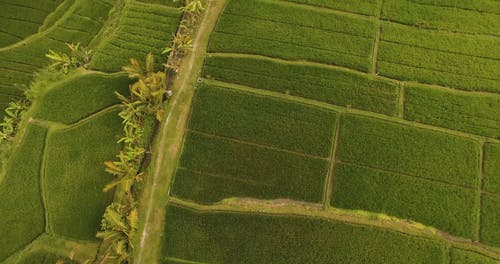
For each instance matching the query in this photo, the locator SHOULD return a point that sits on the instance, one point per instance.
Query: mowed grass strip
(446, 15)
(409, 150)
(289, 32)
(460, 256)
(365, 7)
(321, 83)
(467, 112)
(263, 120)
(75, 177)
(79, 97)
(211, 169)
(21, 206)
(490, 220)
(448, 208)
(222, 237)
(491, 180)
(143, 28)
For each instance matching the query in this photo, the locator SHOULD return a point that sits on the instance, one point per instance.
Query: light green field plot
(142, 29)
(491, 181)
(44, 258)
(73, 174)
(334, 86)
(250, 238)
(20, 19)
(490, 219)
(240, 148)
(22, 208)
(97, 90)
(459, 256)
(409, 53)
(457, 16)
(277, 29)
(467, 112)
(365, 7)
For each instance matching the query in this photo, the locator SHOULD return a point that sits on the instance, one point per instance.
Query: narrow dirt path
(168, 143)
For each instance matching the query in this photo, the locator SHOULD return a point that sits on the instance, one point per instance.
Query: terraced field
(52, 189)
(299, 131)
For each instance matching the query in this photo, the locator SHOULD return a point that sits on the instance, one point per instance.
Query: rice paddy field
(300, 131)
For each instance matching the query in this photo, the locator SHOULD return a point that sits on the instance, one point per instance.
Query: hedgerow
(220, 168)
(324, 84)
(490, 217)
(71, 175)
(223, 237)
(23, 213)
(364, 7)
(263, 120)
(491, 180)
(471, 113)
(408, 150)
(258, 34)
(101, 88)
(448, 208)
(460, 256)
(438, 67)
(432, 16)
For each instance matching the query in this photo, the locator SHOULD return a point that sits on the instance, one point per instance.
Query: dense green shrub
(220, 168)
(21, 206)
(251, 238)
(74, 178)
(324, 84)
(491, 181)
(446, 207)
(263, 120)
(467, 112)
(408, 150)
(289, 32)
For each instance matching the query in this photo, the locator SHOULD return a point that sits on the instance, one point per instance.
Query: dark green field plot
(449, 208)
(457, 16)
(365, 7)
(490, 220)
(315, 82)
(263, 120)
(22, 209)
(74, 176)
(459, 256)
(142, 29)
(18, 63)
(63, 103)
(213, 168)
(467, 112)
(277, 29)
(251, 238)
(447, 59)
(408, 150)
(20, 19)
(491, 181)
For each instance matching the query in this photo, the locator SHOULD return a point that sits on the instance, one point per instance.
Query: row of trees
(147, 96)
